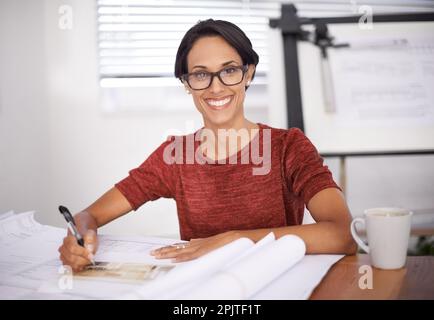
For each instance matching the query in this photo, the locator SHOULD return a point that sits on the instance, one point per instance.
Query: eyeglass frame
(243, 68)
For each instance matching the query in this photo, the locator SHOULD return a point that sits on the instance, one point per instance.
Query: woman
(219, 195)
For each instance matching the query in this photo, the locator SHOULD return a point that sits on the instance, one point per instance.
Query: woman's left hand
(195, 248)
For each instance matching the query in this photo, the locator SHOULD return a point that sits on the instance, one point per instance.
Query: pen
(72, 227)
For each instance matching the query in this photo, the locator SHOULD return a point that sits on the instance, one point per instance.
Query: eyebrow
(223, 65)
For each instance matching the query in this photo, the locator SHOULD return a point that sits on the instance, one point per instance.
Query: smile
(219, 103)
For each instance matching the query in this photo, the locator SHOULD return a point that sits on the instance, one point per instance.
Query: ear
(186, 87)
(249, 74)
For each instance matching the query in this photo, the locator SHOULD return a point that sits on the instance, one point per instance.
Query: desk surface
(415, 281)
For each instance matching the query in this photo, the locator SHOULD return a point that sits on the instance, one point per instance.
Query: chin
(221, 115)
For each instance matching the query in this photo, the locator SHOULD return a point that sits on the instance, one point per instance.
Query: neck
(222, 147)
(243, 123)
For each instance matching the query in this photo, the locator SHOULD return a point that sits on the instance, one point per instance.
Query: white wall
(24, 130)
(403, 181)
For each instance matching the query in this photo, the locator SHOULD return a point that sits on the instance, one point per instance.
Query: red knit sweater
(214, 198)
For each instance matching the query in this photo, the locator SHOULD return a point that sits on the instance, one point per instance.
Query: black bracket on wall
(291, 27)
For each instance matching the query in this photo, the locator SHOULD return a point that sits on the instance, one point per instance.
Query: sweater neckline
(240, 153)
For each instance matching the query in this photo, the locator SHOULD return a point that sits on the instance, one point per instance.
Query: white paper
(13, 293)
(181, 290)
(384, 84)
(133, 249)
(299, 282)
(193, 270)
(250, 274)
(129, 249)
(13, 227)
(29, 260)
(30, 267)
(24, 244)
(87, 289)
(269, 238)
(6, 214)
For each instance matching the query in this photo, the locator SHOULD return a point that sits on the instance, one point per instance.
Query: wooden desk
(415, 281)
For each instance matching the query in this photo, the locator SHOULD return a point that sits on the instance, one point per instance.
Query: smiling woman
(217, 49)
(220, 101)
(220, 196)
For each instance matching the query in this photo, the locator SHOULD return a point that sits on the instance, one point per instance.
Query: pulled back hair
(227, 30)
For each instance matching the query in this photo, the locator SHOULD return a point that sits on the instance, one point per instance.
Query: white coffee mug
(388, 233)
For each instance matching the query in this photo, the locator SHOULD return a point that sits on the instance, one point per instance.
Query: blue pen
(72, 227)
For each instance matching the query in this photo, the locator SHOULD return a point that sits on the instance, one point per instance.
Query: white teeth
(219, 103)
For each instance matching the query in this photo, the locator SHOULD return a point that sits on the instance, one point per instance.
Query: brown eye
(200, 76)
(230, 70)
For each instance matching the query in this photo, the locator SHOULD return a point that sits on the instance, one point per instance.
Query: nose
(216, 85)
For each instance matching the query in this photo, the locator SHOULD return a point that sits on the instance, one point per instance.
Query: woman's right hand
(109, 206)
(76, 256)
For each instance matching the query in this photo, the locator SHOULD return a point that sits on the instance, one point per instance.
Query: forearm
(324, 237)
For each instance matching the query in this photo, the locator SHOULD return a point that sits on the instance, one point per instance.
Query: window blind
(139, 38)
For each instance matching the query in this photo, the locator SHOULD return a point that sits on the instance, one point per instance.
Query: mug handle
(356, 236)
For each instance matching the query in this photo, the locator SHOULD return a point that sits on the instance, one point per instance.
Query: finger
(166, 252)
(90, 241)
(65, 255)
(76, 250)
(174, 252)
(184, 258)
(67, 263)
(78, 263)
(187, 256)
(70, 241)
(158, 250)
(73, 249)
(73, 260)
(64, 260)
(171, 248)
(199, 251)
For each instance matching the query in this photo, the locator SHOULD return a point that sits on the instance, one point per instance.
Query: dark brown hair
(227, 30)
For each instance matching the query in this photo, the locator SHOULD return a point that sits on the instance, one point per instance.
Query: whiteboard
(383, 89)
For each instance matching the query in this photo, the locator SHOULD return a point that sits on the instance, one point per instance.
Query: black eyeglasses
(229, 76)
